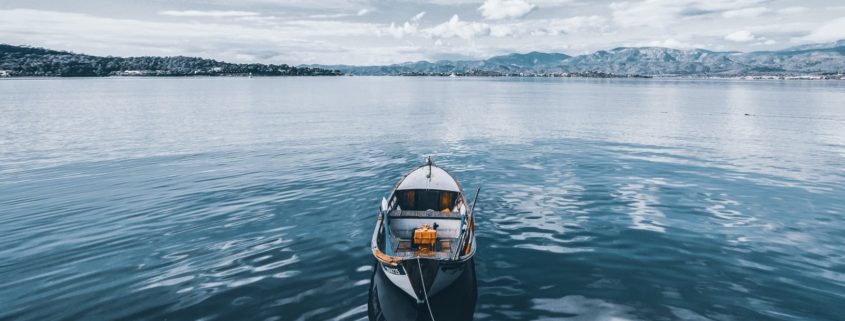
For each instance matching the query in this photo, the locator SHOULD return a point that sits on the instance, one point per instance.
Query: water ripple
(228, 199)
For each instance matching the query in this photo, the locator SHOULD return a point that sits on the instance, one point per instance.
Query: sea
(228, 198)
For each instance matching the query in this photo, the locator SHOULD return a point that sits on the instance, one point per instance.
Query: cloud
(450, 2)
(418, 17)
(552, 27)
(745, 36)
(501, 9)
(289, 42)
(400, 31)
(660, 13)
(528, 29)
(669, 43)
(539, 3)
(332, 31)
(554, 3)
(455, 27)
(745, 13)
(741, 36)
(792, 10)
(577, 24)
(344, 5)
(210, 13)
(329, 15)
(831, 31)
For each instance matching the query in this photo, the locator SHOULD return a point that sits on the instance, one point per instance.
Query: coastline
(654, 77)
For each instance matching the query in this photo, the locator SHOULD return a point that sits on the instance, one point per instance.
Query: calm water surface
(254, 199)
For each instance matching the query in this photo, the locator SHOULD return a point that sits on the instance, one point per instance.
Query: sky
(375, 32)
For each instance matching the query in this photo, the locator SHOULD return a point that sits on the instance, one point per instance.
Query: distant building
(131, 73)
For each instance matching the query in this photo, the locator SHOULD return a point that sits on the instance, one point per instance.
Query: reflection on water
(387, 302)
(255, 199)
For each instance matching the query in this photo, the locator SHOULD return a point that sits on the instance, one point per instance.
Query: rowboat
(425, 232)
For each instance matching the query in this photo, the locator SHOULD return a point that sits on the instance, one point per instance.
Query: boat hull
(421, 278)
(454, 303)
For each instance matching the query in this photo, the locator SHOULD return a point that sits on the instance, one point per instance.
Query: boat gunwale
(391, 260)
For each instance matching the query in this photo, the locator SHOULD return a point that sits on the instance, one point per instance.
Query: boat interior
(425, 223)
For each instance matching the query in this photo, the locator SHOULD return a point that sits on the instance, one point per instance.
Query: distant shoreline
(804, 63)
(22, 61)
(744, 78)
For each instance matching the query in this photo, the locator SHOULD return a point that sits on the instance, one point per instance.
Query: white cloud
(661, 13)
(501, 9)
(741, 36)
(639, 14)
(289, 42)
(460, 29)
(418, 17)
(754, 12)
(540, 3)
(578, 24)
(552, 27)
(745, 13)
(210, 13)
(456, 28)
(408, 28)
(329, 15)
(785, 29)
(668, 43)
(554, 3)
(450, 2)
(355, 31)
(831, 31)
(400, 31)
(792, 10)
(345, 5)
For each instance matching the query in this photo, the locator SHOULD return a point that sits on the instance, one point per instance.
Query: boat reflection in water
(387, 302)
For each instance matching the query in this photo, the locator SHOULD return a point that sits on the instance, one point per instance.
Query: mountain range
(811, 59)
(814, 59)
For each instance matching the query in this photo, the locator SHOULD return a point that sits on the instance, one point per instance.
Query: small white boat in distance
(425, 232)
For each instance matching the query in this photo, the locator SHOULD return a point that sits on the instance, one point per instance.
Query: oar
(472, 213)
(478, 190)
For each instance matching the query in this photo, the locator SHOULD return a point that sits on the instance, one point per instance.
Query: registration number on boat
(393, 270)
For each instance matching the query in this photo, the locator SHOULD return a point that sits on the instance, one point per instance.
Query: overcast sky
(392, 31)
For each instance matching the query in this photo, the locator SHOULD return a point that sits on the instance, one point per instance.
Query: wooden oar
(471, 213)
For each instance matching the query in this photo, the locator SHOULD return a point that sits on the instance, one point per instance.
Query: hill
(29, 61)
(815, 59)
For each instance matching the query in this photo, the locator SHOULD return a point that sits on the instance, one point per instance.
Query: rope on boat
(431, 314)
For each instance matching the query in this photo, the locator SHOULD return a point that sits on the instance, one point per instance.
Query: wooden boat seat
(424, 214)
